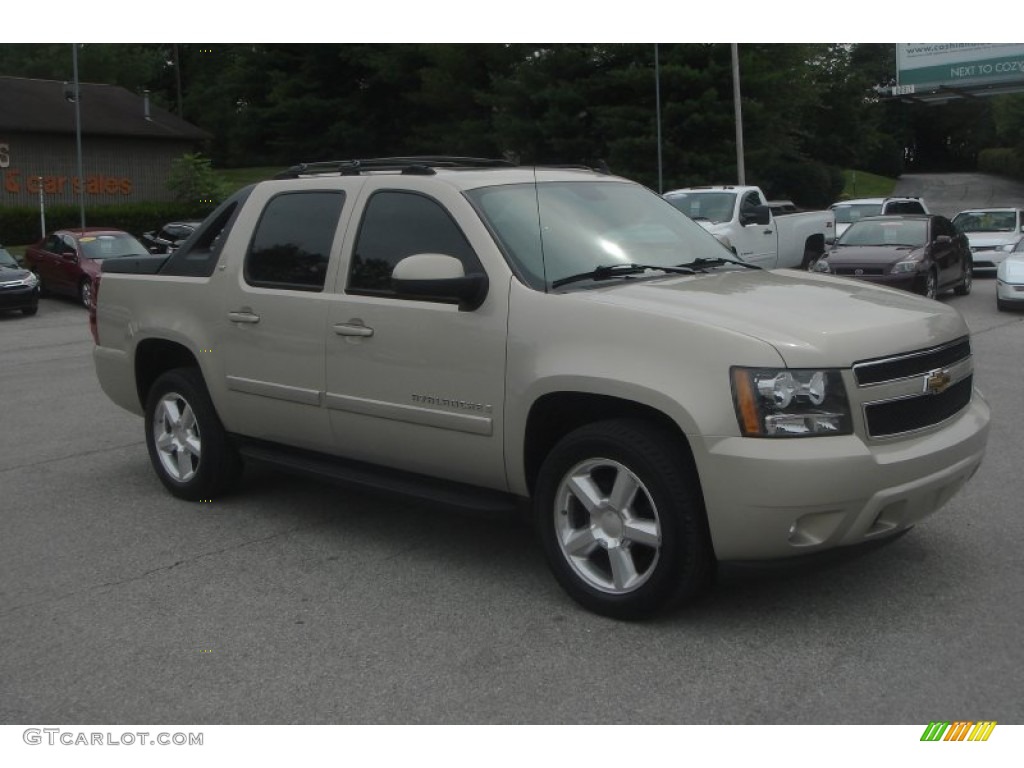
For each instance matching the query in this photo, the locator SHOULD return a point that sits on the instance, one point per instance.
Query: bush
(807, 183)
(20, 225)
(192, 179)
(1002, 162)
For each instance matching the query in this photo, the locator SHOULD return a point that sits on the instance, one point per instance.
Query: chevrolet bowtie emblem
(937, 381)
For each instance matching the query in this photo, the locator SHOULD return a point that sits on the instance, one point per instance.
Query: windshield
(554, 230)
(986, 221)
(847, 214)
(6, 260)
(715, 207)
(892, 232)
(110, 246)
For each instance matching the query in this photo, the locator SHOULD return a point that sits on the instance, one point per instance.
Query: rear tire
(188, 446)
(621, 518)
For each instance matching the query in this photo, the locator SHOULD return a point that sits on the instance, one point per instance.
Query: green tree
(193, 180)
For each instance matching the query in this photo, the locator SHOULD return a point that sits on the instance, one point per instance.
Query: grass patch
(864, 184)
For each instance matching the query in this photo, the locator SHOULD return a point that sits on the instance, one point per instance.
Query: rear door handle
(244, 315)
(354, 328)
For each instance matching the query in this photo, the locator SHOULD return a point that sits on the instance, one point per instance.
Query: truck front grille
(913, 364)
(914, 391)
(909, 414)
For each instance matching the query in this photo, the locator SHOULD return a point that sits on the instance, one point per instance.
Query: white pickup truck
(481, 334)
(747, 224)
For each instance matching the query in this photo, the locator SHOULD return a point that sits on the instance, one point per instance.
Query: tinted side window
(907, 206)
(292, 243)
(749, 202)
(400, 224)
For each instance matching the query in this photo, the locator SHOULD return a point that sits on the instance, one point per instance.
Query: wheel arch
(556, 414)
(154, 357)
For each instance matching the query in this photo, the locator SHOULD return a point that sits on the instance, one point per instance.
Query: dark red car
(920, 253)
(68, 260)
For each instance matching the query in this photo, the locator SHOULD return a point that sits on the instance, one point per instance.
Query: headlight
(782, 402)
(910, 265)
(821, 265)
(1006, 248)
(31, 281)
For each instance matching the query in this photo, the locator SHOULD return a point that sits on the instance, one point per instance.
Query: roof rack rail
(414, 165)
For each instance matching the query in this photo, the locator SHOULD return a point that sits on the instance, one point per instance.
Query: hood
(870, 254)
(10, 274)
(812, 320)
(992, 239)
(1012, 270)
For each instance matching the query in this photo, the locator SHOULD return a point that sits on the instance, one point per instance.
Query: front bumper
(1010, 293)
(905, 281)
(988, 260)
(777, 498)
(19, 297)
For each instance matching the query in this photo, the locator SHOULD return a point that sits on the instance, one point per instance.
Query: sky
(472, 21)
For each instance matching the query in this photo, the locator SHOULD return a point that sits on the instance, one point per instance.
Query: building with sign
(128, 144)
(939, 72)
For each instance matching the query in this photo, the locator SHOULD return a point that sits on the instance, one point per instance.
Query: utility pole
(78, 134)
(657, 107)
(739, 114)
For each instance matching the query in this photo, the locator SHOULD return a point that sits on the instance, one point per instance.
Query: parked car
(766, 234)
(67, 261)
(923, 254)
(1010, 280)
(849, 211)
(19, 288)
(169, 236)
(992, 233)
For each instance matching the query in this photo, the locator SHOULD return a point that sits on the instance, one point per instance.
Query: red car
(68, 261)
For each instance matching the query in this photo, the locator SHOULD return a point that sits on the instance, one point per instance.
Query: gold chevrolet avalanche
(480, 334)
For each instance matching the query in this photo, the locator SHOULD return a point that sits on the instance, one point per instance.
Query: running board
(362, 475)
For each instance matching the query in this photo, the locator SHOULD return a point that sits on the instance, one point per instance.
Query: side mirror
(759, 214)
(437, 277)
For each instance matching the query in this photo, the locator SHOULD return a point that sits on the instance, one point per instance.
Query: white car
(1010, 280)
(992, 232)
(849, 211)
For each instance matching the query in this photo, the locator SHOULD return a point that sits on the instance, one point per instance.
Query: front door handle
(244, 315)
(353, 328)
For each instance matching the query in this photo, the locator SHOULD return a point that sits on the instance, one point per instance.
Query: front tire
(187, 443)
(965, 286)
(930, 288)
(621, 519)
(85, 293)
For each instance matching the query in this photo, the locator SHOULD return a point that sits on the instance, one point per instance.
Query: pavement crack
(161, 569)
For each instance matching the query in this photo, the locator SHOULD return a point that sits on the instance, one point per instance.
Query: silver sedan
(1010, 280)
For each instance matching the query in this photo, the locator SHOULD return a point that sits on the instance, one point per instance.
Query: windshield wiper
(608, 271)
(718, 261)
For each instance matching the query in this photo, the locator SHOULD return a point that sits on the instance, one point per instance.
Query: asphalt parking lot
(293, 602)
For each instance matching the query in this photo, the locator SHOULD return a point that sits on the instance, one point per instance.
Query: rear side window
(198, 256)
(400, 224)
(291, 246)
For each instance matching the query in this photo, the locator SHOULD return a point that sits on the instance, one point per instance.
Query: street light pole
(78, 134)
(741, 171)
